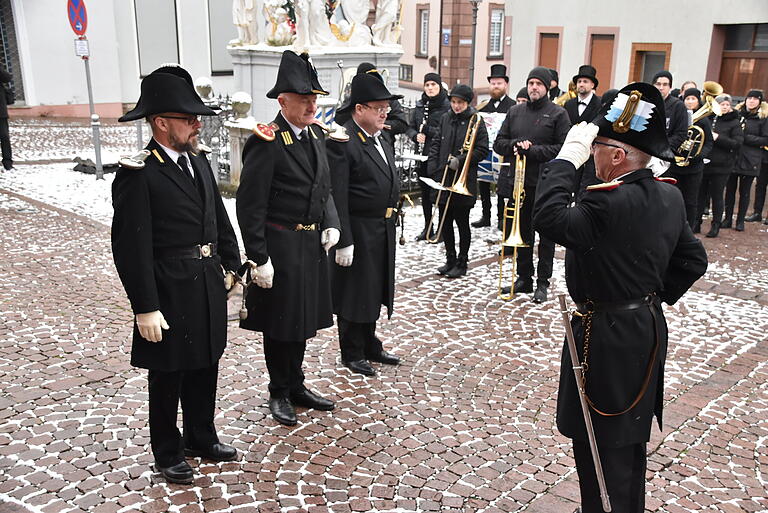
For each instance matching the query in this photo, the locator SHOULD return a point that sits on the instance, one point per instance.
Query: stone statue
(280, 32)
(248, 17)
(386, 27)
(353, 30)
(312, 27)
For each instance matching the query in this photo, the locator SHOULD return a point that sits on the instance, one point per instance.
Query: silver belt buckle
(205, 250)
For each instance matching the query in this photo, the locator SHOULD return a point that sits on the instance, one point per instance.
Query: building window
(406, 72)
(648, 58)
(156, 34)
(748, 37)
(422, 44)
(496, 33)
(221, 31)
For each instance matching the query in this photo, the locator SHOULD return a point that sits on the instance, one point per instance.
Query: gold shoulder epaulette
(608, 186)
(135, 161)
(265, 132)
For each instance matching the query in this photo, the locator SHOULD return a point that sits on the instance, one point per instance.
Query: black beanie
(433, 77)
(541, 73)
(523, 93)
(692, 91)
(663, 73)
(755, 93)
(554, 74)
(462, 91)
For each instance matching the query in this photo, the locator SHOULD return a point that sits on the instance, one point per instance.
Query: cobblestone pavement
(465, 424)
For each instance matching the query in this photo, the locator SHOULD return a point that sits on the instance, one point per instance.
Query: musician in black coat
(689, 177)
(618, 272)
(499, 102)
(289, 223)
(366, 190)
(171, 240)
(584, 107)
(446, 162)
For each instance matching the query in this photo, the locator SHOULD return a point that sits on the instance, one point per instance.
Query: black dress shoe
(727, 223)
(754, 218)
(181, 473)
(739, 226)
(482, 222)
(282, 411)
(765, 221)
(450, 263)
(540, 295)
(360, 367)
(385, 357)
(523, 285)
(216, 452)
(309, 399)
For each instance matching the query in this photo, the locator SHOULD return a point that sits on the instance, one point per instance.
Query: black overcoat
(364, 186)
(611, 256)
(490, 106)
(280, 188)
(157, 209)
(449, 140)
(755, 137)
(725, 149)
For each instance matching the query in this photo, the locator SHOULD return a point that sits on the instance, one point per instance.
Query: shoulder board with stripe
(665, 179)
(608, 186)
(265, 132)
(287, 136)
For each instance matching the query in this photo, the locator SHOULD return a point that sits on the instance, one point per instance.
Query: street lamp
(475, 4)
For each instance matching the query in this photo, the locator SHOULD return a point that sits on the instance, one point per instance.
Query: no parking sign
(78, 16)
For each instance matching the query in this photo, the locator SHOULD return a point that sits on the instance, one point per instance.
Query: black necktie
(307, 147)
(182, 162)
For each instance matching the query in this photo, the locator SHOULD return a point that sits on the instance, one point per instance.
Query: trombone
(515, 238)
(460, 185)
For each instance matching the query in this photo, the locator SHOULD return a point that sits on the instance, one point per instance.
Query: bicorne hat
(296, 75)
(367, 87)
(636, 117)
(498, 71)
(586, 71)
(167, 92)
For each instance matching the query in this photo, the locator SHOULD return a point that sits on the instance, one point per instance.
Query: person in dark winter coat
(522, 96)
(171, 240)
(750, 158)
(762, 180)
(499, 102)
(425, 118)
(289, 223)
(446, 162)
(728, 135)
(553, 86)
(366, 190)
(584, 107)
(6, 97)
(628, 249)
(535, 130)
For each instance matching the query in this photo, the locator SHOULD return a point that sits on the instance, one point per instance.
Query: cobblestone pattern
(465, 424)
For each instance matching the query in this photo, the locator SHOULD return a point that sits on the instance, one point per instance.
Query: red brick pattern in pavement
(465, 424)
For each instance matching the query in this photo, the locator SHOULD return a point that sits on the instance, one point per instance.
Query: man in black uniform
(171, 239)
(366, 189)
(498, 82)
(289, 223)
(535, 129)
(584, 107)
(618, 272)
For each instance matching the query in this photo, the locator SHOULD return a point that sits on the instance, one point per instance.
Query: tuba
(460, 185)
(694, 141)
(570, 93)
(515, 238)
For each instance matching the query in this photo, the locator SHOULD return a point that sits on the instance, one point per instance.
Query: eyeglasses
(190, 120)
(380, 110)
(595, 143)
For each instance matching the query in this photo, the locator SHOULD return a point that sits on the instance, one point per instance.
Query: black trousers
(5, 143)
(484, 191)
(197, 391)
(426, 195)
(357, 340)
(760, 188)
(459, 215)
(284, 361)
(712, 186)
(744, 185)
(525, 255)
(689, 185)
(624, 471)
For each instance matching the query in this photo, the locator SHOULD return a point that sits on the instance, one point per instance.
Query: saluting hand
(578, 144)
(151, 325)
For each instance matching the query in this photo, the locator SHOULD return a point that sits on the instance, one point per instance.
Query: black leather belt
(195, 252)
(614, 306)
(294, 227)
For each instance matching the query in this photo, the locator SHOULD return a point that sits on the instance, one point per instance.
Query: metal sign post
(78, 20)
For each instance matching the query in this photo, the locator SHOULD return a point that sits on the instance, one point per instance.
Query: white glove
(578, 142)
(453, 163)
(151, 325)
(344, 255)
(329, 238)
(264, 274)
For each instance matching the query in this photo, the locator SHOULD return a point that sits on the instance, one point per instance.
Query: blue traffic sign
(78, 16)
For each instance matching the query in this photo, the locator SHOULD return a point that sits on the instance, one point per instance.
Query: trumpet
(570, 93)
(460, 185)
(515, 238)
(694, 141)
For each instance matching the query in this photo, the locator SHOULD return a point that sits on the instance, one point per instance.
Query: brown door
(742, 71)
(601, 58)
(548, 47)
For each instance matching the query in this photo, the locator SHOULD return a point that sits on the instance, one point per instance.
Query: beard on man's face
(190, 144)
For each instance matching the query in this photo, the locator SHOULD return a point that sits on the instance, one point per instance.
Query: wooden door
(601, 49)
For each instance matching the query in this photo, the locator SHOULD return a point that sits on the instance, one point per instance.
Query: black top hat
(165, 92)
(498, 71)
(586, 71)
(296, 75)
(636, 117)
(366, 87)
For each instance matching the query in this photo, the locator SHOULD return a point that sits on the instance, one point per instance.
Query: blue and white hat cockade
(629, 112)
